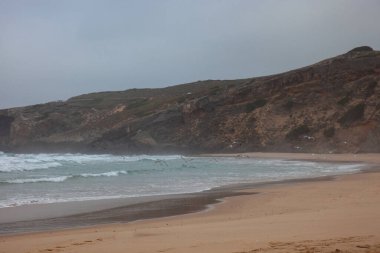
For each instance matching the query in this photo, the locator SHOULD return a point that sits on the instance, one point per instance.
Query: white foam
(105, 174)
(37, 180)
(64, 178)
(25, 162)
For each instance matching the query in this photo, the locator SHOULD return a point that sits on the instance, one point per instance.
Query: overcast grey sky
(51, 50)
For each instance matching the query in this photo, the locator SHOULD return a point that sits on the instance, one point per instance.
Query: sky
(52, 50)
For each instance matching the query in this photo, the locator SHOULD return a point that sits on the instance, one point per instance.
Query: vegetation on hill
(332, 106)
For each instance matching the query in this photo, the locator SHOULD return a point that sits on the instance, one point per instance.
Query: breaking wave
(105, 174)
(26, 162)
(64, 178)
(37, 180)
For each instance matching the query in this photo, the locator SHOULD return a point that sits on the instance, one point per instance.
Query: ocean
(27, 179)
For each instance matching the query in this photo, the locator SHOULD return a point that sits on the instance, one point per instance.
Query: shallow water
(50, 178)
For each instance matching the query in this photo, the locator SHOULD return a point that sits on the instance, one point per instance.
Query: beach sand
(340, 215)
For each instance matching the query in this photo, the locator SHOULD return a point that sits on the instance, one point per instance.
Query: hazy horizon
(54, 50)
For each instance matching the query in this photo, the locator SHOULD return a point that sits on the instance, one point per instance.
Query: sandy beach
(339, 215)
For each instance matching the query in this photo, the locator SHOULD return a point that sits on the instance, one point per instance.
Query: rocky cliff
(332, 107)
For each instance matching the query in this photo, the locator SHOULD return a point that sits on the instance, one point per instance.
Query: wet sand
(307, 216)
(125, 211)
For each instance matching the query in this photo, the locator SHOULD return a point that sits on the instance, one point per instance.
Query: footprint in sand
(60, 248)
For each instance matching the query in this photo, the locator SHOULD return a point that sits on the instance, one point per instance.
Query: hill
(329, 107)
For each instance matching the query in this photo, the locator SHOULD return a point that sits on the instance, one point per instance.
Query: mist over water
(50, 178)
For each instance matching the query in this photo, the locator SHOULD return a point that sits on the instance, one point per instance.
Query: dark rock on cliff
(331, 106)
(5, 125)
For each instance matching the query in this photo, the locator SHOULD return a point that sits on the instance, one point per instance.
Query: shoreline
(371, 158)
(132, 209)
(325, 215)
(37, 218)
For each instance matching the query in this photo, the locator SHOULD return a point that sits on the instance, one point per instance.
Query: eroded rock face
(5, 125)
(332, 106)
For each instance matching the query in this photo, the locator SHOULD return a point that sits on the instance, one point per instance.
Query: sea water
(50, 178)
